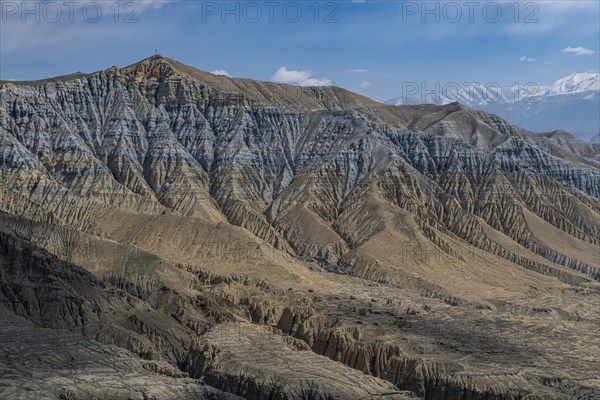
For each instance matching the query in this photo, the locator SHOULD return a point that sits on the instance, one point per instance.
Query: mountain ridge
(244, 89)
(479, 94)
(569, 104)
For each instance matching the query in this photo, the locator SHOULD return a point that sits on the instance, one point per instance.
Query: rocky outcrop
(313, 377)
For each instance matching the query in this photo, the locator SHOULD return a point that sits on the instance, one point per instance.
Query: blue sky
(370, 47)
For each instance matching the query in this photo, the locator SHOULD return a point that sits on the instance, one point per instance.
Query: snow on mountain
(468, 94)
(571, 103)
(575, 83)
(473, 94)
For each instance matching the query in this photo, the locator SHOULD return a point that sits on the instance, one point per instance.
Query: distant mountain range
(571, 104)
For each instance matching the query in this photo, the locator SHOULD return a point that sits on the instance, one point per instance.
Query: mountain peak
(576, 82)
(248, 91)
(154, 66)
(156, 59)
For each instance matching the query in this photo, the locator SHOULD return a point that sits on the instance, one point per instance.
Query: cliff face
(287, 184)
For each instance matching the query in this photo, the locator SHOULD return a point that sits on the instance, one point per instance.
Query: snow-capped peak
(479, 94)
(574, 83)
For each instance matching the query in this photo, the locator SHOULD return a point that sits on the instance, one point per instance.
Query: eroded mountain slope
(432, 247)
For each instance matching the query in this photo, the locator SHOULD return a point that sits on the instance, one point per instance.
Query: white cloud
(365, 84)
(301, 78)
(221, 72)
(144, 4)
(77, 24)
(125, 7)
(527, 59)
(579, 50)
(360, 70)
